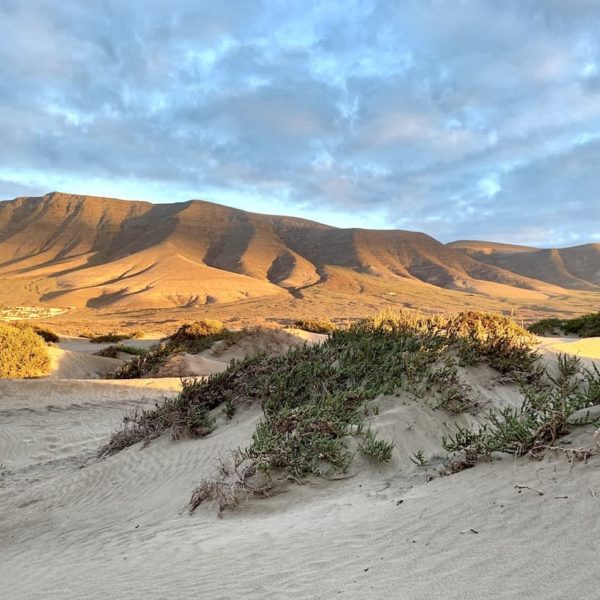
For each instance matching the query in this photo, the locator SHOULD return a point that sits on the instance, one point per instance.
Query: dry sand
(73, 527)
(582, 347)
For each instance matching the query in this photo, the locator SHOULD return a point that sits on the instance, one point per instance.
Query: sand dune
(74, 527)
(80, 365)
(217, 358)
(585, 348)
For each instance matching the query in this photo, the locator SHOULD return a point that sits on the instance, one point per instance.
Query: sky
(465, 119)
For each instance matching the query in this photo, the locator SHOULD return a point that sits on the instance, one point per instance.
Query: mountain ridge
(90, 251)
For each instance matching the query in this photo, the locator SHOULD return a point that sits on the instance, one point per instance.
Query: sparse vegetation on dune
(108, 338)
(198, 336)
(23, 352)
(114, 351)
(193, 337)
(314, 398)
(536, 425)
(584, 326)
(316, 325)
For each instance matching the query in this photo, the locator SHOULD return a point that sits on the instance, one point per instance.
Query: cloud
(462, 118)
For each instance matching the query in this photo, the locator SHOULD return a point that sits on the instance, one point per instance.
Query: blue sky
(466, 119)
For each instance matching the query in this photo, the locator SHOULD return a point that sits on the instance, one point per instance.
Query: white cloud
(440, 115)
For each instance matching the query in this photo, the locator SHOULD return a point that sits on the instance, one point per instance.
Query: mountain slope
(70, 250)
(576, 268)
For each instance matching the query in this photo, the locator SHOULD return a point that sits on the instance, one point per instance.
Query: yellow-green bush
(316, 325)
(22, 352)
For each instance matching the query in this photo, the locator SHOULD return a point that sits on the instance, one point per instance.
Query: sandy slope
(218, 357)
(583, 347)
(118, 528)
(80, 365)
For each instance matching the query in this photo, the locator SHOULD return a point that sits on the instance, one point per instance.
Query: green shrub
(377, 449)
(545, 326)
(23, 353)
(539, 421)
(585, 326)
(314, 397)
(142, 365)
(350, 368)
(192, 337)
(196, 337)
(113, 351)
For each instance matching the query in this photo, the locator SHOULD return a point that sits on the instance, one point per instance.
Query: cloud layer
(471, 119)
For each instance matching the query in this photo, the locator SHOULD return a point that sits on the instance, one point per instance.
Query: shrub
(545, 326)
(196, 337)
(584, 326)
(113, 351)
(22, 352)
(192, 337)
(378, 449)
(539, 421)
(310, 379)
(142, 365)
(108, 338)
(315, 325)
(49, 336)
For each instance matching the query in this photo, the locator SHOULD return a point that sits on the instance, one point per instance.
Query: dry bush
(234, 485)
(49, 336)
(23, 353)
(108, 338)
(316, 325)
(200, 334)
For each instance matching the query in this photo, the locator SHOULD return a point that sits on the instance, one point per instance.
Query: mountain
(86, 251)
(576, 268)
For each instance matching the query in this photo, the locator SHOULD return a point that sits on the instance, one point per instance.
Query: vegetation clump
(478, 337)
(114, 351)
(381, 450)
(584, 326)
(314, 397)
(192, 337)
(108, 338)
(142, 365)
(23, 353)
(316, 325)
(196, 337)
(49, 336)
(542, 418)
